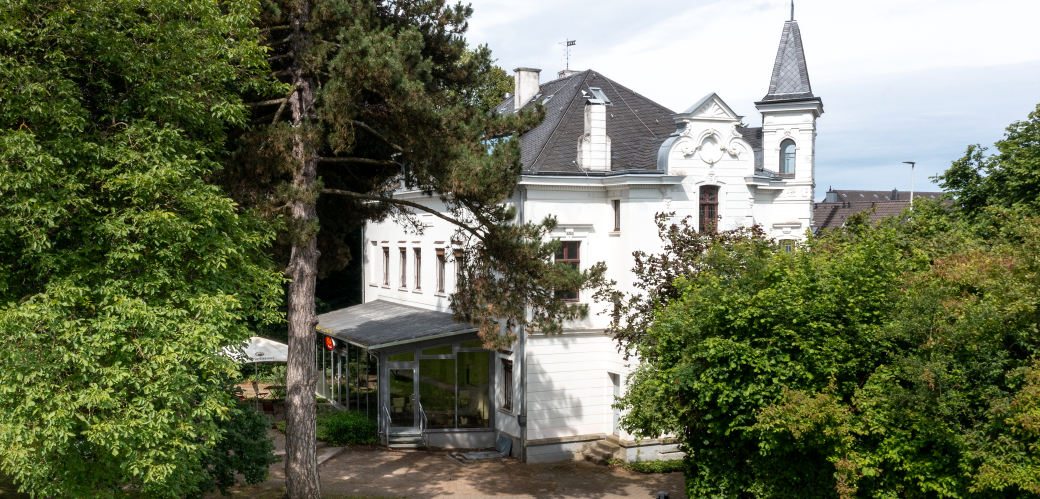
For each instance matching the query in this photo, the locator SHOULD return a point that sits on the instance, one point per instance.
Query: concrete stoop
(405, 441)
(602, 450)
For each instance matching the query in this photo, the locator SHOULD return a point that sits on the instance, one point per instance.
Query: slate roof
(790, 79)
(379, 323)
(636, 125)
(753, 136)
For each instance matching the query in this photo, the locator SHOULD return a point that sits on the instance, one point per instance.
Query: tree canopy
(123, 274)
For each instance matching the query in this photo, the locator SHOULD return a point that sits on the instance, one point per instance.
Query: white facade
(570, 380)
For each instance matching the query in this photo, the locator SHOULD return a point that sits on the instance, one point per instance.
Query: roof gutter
(415, 340)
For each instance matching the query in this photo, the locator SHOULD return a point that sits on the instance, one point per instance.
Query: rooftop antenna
(792, 10)
(567, 44)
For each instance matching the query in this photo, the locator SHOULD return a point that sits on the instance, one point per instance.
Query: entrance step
(601, 451)
(405, 441)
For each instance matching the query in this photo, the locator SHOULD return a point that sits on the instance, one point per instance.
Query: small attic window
(598, 92)
(547, 99)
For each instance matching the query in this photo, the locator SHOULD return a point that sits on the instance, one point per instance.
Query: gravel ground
(380, 472)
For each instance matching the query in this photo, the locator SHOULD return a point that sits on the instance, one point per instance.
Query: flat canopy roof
(380, 324)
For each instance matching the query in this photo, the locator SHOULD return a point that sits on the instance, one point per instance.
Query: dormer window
(600, 94)
(787, 149)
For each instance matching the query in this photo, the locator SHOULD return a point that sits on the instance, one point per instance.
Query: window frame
(417, 256)
(386, 266)
(441, 270)
(704, 204)
(458, 268)
(507, 384)
(793, 155)
(404, 268)
(787, 245)
(575, 261)
(617, 214)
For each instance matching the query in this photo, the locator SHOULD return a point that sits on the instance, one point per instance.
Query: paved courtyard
(379, 472)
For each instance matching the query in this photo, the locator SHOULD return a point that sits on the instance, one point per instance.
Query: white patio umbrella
(258, 350)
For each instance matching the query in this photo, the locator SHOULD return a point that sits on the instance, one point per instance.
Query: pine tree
(380, 95)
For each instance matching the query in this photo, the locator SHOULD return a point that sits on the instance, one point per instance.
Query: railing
(384, 425)
(424, 424)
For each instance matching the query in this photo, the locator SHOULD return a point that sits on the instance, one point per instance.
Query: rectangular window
(473, 383)
(568, 254)
(507, 384)
(418, 268)
(458, 268)
(404, 268)
(709, 208)
(440, 271)
(617, 214)
(386, 266)
(787, 245)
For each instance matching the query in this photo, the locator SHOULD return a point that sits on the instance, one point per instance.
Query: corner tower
(789, 113)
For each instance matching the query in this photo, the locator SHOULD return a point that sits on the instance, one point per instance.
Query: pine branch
(278, 113)
(379, 162)
(267, 102)
(410, 204)
(377, 134)
(279, 42)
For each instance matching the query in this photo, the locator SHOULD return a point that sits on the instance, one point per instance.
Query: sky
(901, 80)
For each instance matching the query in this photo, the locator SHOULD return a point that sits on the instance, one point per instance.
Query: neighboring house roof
(893, 195)
(636, 125)
(833, 215)
(790, 78)
(830, 215)
(379, 324)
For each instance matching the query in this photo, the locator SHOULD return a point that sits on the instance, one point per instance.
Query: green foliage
(244, 449)
(890, 361)
(1009, 178)
(343, 428)
(122, 273)
(655, 466)
(347, 428)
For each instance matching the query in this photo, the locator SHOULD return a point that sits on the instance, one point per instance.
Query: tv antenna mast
(567, 50)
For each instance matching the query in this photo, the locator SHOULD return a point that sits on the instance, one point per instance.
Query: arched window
(787, 157)
(709, 208)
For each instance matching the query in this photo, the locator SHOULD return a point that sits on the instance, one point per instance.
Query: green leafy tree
(383, 95)
(874, 362)
(1010, 178)
(123, 274)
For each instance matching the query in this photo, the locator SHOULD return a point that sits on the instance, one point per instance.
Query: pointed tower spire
(790, 76)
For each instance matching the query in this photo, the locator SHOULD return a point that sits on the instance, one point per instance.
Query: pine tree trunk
(301, 465)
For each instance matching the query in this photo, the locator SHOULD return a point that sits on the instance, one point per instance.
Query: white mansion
(604, 161)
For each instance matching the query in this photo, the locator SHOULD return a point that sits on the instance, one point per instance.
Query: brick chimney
(525, 85)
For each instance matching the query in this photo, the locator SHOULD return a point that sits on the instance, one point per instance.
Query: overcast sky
(901, 80)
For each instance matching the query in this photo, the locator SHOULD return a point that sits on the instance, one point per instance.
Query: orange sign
(330, 343)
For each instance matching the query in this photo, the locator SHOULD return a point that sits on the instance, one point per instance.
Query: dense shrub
(344, 428)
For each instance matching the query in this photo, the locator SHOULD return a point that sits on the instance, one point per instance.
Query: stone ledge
(565, 440)
(642, 443)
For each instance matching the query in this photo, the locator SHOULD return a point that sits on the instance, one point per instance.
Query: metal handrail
(385, 430)
(423, 425)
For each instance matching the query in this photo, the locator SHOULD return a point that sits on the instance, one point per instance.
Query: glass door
(402, 399)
